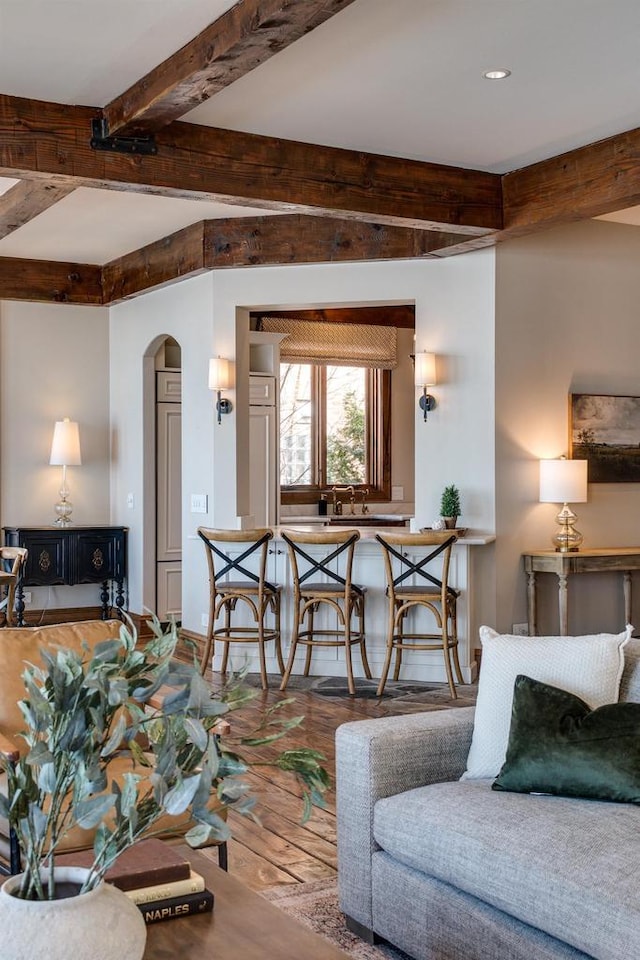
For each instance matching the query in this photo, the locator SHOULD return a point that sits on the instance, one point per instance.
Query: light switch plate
(199, 503)
(130, 501)
(397, 493)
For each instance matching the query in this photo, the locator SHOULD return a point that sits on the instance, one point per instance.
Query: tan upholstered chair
(237, 561)
(12, 560)
(417, 568)
(23, 644)
(322, 578)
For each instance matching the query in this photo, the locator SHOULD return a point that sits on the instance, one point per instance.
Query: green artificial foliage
(450, 502)
(81, 712)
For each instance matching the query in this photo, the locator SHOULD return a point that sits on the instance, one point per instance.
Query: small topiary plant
(450, 502)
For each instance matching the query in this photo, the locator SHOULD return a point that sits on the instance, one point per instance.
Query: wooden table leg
(562, 604)
(627, 596)
(531, 603)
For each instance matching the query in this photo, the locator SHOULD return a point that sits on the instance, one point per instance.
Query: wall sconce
(219, 380)
(65, 452)
(562, 481)
(425, 376)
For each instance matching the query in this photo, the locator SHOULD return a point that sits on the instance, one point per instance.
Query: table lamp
(564, 481)
(65, 452)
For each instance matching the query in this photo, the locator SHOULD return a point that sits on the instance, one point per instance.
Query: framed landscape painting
(605, 431)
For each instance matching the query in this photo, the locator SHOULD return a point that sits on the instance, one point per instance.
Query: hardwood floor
(281, 850)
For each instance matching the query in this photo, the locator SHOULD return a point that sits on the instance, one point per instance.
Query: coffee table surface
(242, 925)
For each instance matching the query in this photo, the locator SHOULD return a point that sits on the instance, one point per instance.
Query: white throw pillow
(589, 666)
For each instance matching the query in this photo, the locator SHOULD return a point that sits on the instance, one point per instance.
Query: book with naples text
(190, 903)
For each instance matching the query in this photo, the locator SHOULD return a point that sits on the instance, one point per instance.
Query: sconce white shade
(219, 374)
(425, 369)
(65, 447)
(563, 481)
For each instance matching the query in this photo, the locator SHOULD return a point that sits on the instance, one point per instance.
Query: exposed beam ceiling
(41, 139)
(26, 200)
(50, 281)
(583, 183)
(241, 39)
(260, 241)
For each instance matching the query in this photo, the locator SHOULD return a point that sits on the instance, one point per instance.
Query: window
(334, 430)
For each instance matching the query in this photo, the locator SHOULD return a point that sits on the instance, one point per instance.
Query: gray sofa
(451, 870)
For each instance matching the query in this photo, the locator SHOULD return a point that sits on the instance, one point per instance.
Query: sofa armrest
(380, 758)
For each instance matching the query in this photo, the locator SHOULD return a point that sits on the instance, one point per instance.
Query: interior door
(169, 495)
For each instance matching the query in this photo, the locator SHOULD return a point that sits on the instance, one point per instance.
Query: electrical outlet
(26, 596)
(520, 629)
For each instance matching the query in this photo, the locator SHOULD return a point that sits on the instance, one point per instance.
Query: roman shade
(338, 344)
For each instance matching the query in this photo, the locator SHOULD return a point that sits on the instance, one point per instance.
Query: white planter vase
(102, 924)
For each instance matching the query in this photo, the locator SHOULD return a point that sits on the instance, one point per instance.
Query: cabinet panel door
(169, 480)
(48, 562)
(263, 466)
(169, 590)
(100, 557)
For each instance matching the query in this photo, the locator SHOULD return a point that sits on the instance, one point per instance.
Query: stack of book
(156, 877)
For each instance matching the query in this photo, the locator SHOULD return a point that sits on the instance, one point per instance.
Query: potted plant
(450, 508)
(85, 715)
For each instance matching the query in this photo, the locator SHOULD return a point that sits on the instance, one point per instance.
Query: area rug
(406, 696)
(315, 904)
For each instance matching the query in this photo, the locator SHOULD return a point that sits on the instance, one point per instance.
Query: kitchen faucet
(337, 503)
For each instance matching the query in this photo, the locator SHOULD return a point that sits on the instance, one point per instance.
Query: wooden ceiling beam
(295, 239)
(587, 182)
(51, 141)
(50, 281)
(26, 200)
(259, 241)
(241, 39)
(166, 261)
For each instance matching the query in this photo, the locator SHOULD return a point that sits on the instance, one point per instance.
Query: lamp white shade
(65, 447)
(219, 374)
(563, 481)
(425, 369)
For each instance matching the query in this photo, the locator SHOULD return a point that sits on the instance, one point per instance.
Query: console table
(621, 559)
(69, 556)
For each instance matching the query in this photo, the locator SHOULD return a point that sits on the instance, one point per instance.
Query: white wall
(54, 363)
(183, 311)
(208, 315)
(567, 321)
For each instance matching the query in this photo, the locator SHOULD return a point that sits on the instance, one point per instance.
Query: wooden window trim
(378, 443)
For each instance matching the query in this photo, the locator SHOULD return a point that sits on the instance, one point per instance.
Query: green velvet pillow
(558, 745)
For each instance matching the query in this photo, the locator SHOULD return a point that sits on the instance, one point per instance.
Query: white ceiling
(402, 77)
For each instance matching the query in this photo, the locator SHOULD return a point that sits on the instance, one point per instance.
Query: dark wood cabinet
(72, 555)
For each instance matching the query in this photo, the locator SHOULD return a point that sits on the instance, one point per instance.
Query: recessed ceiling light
(496, 74)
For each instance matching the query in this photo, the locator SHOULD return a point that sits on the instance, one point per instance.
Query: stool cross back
(336, 592)
(249, 588)
(407, 558)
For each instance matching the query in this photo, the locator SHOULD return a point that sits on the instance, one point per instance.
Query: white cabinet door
(263, 465)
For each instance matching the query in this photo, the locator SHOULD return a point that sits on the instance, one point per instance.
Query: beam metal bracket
(100, 140)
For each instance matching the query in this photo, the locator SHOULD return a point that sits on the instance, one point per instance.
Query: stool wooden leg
(278, 637)
(387, 659)
(454, 637)
(261, 652)
(292, 651)
(310, 630)
(363, 639)
(347, 648)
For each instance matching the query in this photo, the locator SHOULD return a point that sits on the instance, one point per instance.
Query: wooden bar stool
(410, 584)
(249, 587)
(336, 591)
